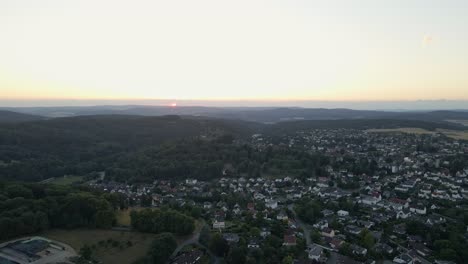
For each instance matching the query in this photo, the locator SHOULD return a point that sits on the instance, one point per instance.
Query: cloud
(426, 41)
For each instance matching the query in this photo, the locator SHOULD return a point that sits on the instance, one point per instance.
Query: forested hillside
(44, 149)
(136, 148)
(14, 117)
(31, 208)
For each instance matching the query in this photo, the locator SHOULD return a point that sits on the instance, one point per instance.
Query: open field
(411, 130)
(123, 216)
(66, 180)
(110, 246)
(461, 122)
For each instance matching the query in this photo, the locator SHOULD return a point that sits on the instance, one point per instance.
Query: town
(392, 197)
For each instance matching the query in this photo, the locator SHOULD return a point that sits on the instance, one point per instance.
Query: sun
(173, 104)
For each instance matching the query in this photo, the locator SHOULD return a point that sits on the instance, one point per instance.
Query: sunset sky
(234, 50)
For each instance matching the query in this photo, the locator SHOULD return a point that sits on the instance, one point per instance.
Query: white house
(315, 252)
(272, 204)
(342, 213)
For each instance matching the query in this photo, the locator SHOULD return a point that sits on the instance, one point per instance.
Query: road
(302, 225)
(193, 240)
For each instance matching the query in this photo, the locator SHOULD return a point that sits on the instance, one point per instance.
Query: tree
(315, 236)
(162, 220)
(236, 255)
(16, 190)
(218, 245)
(367, 239)
(287, 260)
(161, 248)
(105, 219)
(205, 236)
(86, 252)
(146, 200)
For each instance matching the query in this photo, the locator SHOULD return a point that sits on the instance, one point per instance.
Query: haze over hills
(254, 114)
(13, 117)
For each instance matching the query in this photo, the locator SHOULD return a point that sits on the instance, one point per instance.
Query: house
(156, 200)
(383, 248)
(403, 214)
(353, 229)
(403, 259)
(327, 232)
(207, 205)
(327, 212)
(231, 237)
(289, 240)
(345, 260)
(190, 257)
(334, 242)
(315, 252)
(191, 181)
(398, 204)
(366, 224)
(282, 216)
(253, 243)
(219, 223)
(321, 224)
(399, 229)
(435, 220)
(265, 232)
(358, 250)
(418, 208)
(421, 249)
(371, 199)
(322, 182)
(342, 213)
(272, 204)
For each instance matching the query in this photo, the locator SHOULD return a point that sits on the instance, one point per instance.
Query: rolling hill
(14, 117)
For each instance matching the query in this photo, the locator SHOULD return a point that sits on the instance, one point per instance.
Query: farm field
(461, 122)
(109, 246)
(123, 216)
(459, 135)
(66, 180)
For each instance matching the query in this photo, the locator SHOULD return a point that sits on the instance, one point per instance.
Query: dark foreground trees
(161, 249)
(162, 220)
(30, 208)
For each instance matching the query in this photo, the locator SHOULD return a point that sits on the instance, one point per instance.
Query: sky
(238, 51)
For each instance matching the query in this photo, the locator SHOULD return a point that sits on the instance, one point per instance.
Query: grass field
(66, 180)
(106, 252)
(411, 130)
(123, 216)
(461, 122)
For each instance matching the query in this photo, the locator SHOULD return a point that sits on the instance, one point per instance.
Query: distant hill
(253, 114)
(77, 133)
(293, 126)
(38, 150)
(14, 117)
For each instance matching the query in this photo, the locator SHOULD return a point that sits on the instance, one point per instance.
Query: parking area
(35, 250)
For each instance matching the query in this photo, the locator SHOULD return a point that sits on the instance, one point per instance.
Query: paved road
(193, 240)
(305, 228)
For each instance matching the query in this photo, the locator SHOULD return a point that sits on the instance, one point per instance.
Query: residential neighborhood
(379, 198)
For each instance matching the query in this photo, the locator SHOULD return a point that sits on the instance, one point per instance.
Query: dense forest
(31, 208)
(136, 148)
(158, 221)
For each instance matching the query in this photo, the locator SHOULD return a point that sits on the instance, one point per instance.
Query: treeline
(294, 126)
(160, 250)
(30, 208)
(162, 220)
(39, 150)
(206, 160)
